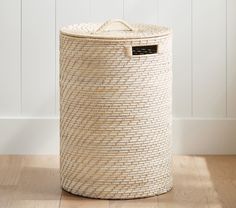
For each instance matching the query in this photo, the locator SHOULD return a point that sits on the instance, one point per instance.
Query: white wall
(204, 67)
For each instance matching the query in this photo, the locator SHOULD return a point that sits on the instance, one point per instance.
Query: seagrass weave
(115, 110)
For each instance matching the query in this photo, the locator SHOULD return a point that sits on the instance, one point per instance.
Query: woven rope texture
(115, 122)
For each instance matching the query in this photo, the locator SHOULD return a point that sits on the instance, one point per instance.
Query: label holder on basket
(144, 50)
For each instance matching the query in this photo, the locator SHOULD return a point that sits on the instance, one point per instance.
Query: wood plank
(209, 58)
(38, 57)
(218, 174)
(10, 171)
(32, 181)
(104, 10)
(140, 11)
(10, 47)
(150, 202)
(177, 15)
(199, 182)
(39, 179)
(231, 60)
(72, 201)
(32, 204)
(187, 191)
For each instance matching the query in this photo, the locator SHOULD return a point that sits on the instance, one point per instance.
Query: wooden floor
(199, 181)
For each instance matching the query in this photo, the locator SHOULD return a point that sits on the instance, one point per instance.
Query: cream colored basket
(115, 105)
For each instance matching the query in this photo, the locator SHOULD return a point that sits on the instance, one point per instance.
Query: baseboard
(29, 136)
(190, 136)
(204, 136)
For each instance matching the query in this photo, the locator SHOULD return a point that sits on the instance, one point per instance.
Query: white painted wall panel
(72, 12)
(10, 35)
(209, 58)
(103, 10)
(231, 58)
(69, 12)
(38, 57)
(177, 15)
(140, 11)
(204, 67)
(165, 14)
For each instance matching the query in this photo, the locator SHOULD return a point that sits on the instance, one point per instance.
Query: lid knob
(114, 25)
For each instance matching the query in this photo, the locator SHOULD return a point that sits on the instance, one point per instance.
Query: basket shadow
(202, 181)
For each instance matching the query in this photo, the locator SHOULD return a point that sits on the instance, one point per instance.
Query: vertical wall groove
(226, 59)
(191, 61)
(123, 9)
(158, 12)
(231, 61)
(55, 57)
(21, 102)
(90, 10)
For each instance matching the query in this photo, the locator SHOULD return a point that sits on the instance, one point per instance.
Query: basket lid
(115, 29)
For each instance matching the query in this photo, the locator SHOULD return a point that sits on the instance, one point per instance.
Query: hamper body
(115, 117)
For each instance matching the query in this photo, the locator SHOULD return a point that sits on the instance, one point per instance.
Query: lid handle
(115, 24)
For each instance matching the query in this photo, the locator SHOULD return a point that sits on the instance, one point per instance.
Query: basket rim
(84, 37)
(141, 31)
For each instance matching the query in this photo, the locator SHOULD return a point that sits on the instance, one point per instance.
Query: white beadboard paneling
(140, 11)
(165, 11)
(72, 12)
(209, 58)
(68, 12)
(38, 57)
(231, 58)
(177, 15)
(199, 32)
(103, 10)
(10, 35)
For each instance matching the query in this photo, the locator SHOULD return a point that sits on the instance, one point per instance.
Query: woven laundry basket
(115, 105)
